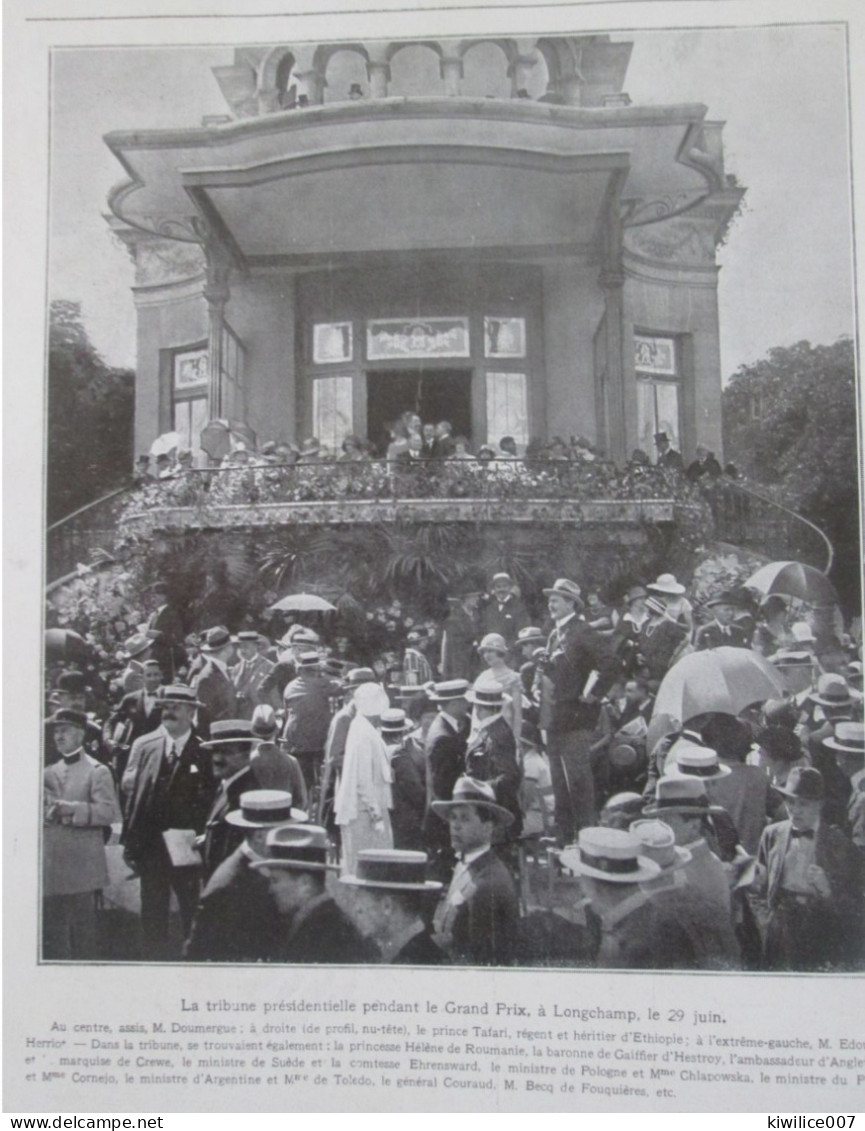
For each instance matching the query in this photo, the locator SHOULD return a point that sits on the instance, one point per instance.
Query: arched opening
(346, 77)
(485, 72)
(414, 70)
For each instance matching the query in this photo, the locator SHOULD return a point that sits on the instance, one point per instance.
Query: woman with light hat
(493, 651)
(672, 593)
(363, 797)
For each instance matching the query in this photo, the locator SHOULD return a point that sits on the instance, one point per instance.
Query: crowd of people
(505, 794)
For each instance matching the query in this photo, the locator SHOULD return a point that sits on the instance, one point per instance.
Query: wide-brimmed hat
(634, 594)
(530, 635)
(680, 794)
(135, 645)
(227, 732)
(178, 693)
(666, 583)
(725, 597)
(804, 782)
(494, 641)
(611, 855)
(832, 691)
(447, 690)
(562, 587)
(394, 721)
(391, 869)
(791, 658)
(215, 639)
(687, 759)
(849, 738)
(303, 848)
(658, 841)
(486, 692)
(67, 716)
(470, 791)
(264, 809)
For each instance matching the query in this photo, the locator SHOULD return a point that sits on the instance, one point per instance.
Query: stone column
(377, 71)
(310, 84)
(216, 294)
(612, 281)
(519, 72)
(452, 73)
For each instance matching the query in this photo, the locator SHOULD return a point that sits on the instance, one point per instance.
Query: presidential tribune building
(484, 230)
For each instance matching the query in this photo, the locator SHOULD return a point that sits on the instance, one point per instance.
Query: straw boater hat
(687, 759)
(391, 869)
(658, 841)
(805, 783)
(356, 676)
(298, 634)
(178, 693)
(486, 692)
(394, 722)
(303, 848)
(308, 659)
(611, 855)
(135, 645)
(448, 690)
(227, 732)
(666, 583)
(832, 691)
(495, 642)
(502, 577)
(264, 809)
(678, 794)
(470, 791)
(530, 635)
(565, 588)
(215, 639)
(849, 738)
(246, 637)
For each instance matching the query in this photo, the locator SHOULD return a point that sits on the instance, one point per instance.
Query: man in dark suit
(137, 713)
(477, 922)
(445, 763)
(491, 756)
(391, 893)
(502, 611)
(578, 669)
(314, 928)
(668, 457)
(237, 919)
(168, 786)
(212, 685)
(165, 629)
(249, 673)
(307, 715)
(230, 745)
(443, 444)
(70, 694)
(811, 876)
(721, 632)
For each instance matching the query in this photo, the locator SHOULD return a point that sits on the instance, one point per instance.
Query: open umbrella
(165, 443)
(793, 579)
(302, 603)
(219, 437)
(719, 679)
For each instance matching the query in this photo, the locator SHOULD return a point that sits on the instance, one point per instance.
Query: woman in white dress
(493, 650)
(363, 796)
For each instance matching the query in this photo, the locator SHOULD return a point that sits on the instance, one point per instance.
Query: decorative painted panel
(190, 370)
(507, 408)
(332, 342)
(504, 337)
(655, 355)
(389, 338)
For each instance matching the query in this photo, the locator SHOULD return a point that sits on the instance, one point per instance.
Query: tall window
(507, 408)
(332, 411)
(656, 361)
(189, 380)
(231, 374)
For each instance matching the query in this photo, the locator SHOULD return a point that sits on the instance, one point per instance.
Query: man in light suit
(168, 785)
(212, 685)
(249, 673)
(478, 920)
(80, 805)
(811, 876)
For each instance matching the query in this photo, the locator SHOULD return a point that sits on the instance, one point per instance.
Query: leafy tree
(790, 424)
(90, 416)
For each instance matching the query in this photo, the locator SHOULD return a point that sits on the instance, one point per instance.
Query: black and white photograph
(451, 531)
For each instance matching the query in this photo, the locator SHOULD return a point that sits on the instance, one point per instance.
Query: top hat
(804, 782)
(448, 689)
(215, 639)
(687, 759)
(394, 722)
(178, 693)
(135, 645)
(727, 597)
(666, 583)
(486, 692)
(681, 794)
(849, 738)
(530, 635)
(470, 791)
(66, 716)
(391, 869)
(565, 588)
(494, 641)
(301, 847)
(611, 855)
(264, 809)
(227, 732)
(263, 725)
(832, 691)
(658, 841)
(634, 594)
(72, 682)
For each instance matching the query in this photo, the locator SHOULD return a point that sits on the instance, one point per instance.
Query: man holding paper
(169, 787)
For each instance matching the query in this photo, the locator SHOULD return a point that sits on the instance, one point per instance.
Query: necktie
(170, 754)
(72, 758)
(807, 833)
